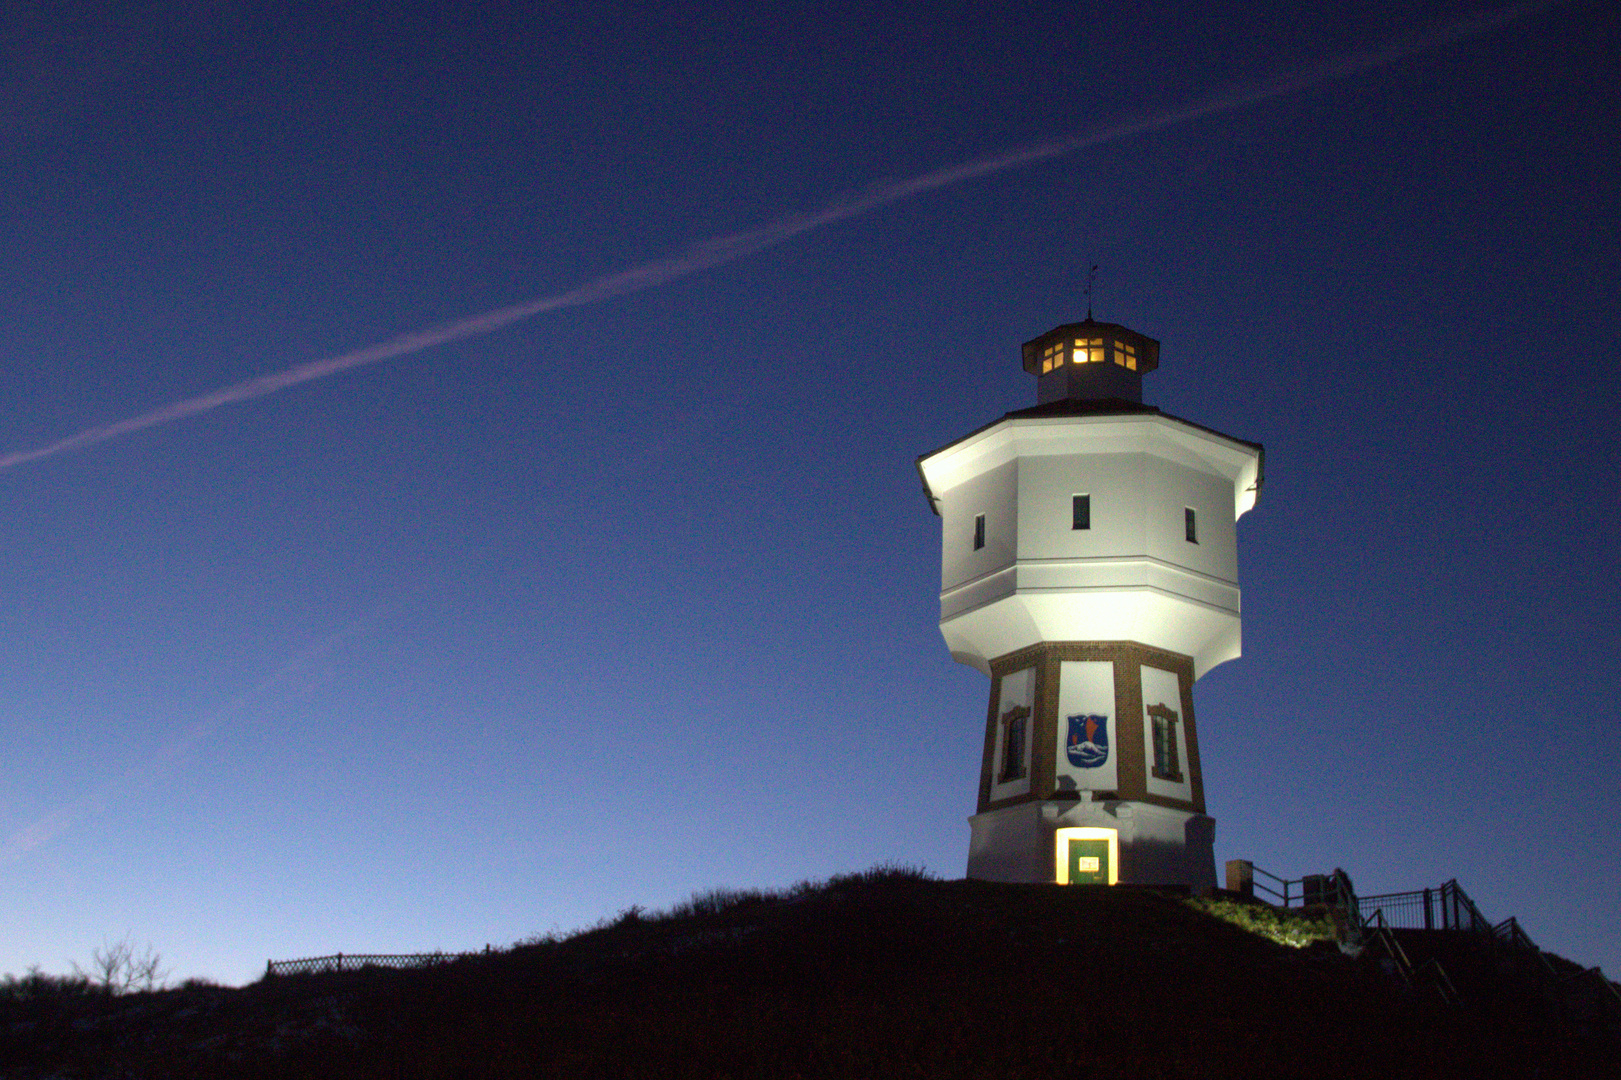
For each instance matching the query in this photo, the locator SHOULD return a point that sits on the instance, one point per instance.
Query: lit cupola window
(1052, 356)
(1125, 355)
(1088, 350)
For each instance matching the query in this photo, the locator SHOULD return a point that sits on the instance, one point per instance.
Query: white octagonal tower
(1089, 566)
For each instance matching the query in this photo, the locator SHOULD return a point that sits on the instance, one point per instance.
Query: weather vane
(1091, 278)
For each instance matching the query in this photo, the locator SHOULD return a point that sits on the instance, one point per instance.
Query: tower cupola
(1090, 361)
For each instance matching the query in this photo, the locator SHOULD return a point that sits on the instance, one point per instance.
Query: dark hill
(883, 974)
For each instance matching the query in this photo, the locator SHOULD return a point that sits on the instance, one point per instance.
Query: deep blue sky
(640, 597)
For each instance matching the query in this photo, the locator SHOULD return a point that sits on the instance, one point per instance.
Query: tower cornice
(1064, 428)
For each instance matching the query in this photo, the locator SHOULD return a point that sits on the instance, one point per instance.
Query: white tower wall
(1140, 577)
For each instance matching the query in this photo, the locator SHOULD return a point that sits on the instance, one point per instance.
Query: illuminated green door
(1088, 862)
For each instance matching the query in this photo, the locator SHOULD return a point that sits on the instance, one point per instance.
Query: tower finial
(1091, 278)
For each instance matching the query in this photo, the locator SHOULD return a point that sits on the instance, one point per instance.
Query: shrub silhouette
(38, 986)
(118, 969)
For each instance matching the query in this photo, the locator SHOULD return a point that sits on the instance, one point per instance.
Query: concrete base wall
(1158, 846)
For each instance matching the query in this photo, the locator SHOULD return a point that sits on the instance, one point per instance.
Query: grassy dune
(883, 974)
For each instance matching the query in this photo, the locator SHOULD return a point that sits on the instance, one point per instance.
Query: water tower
(1089, 566)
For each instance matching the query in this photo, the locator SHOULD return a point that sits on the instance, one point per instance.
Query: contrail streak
(730, 248)
(280, 687)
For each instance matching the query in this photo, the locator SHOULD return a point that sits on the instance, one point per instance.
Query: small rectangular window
(1167, 758)
(979, 531)
(1013, 729)
(1080, 512)
(1192, 522)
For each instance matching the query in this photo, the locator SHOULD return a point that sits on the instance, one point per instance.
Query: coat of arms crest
(1088, 742)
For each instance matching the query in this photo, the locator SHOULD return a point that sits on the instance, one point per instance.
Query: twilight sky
(638, 595)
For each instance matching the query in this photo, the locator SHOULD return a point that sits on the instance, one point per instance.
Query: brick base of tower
(1157, 845)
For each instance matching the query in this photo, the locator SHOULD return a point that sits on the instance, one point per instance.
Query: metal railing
(1430, 973)
(1567, 986)
(1330, 890)
(1510, 932)
(1445, 908)
(326, 965)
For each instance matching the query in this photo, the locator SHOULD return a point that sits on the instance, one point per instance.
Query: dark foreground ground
(875, 975)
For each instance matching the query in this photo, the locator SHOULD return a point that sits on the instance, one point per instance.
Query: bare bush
(118, 969)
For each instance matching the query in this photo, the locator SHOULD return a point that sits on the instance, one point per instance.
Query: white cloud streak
(721, 250)
(284, 685)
